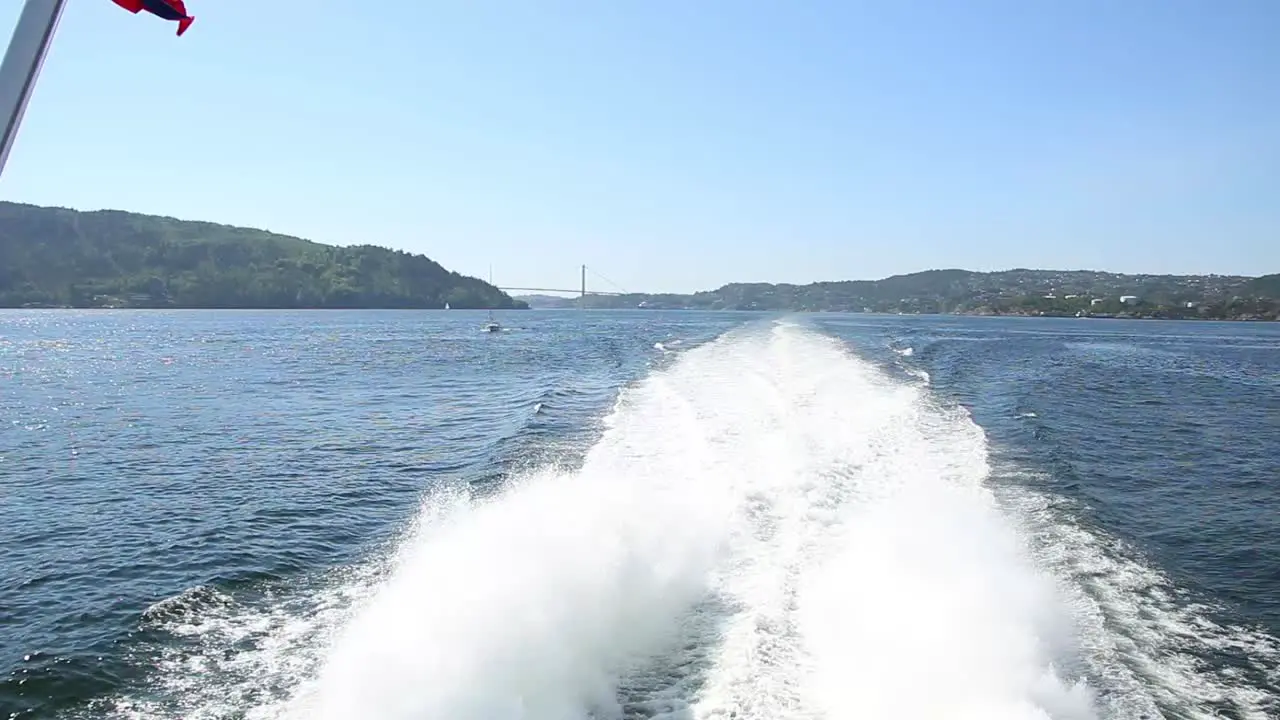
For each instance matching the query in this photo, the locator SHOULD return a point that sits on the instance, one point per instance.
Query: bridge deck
(556, 290)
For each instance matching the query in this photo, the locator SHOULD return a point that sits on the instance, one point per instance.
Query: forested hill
(108, 258)
(1010, 292)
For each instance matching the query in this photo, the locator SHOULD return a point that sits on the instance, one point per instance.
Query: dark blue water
(195, 504)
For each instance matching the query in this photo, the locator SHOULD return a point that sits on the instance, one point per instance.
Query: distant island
(55, 257)
(1049, 293)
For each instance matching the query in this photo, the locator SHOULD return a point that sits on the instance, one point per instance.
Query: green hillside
(1267, 286)
(61, 257)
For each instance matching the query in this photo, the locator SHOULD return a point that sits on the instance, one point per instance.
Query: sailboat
(491, 325)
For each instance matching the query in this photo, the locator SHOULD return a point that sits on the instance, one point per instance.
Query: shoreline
(639, 310)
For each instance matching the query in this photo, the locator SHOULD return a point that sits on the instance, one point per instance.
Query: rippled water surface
(636, 514)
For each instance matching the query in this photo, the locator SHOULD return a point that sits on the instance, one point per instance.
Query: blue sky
(680, 144)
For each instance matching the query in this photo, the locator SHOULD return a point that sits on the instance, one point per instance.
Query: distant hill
(1267, 286)
(1008, 292)
(965, 290)
(61, 257)
(547, 301)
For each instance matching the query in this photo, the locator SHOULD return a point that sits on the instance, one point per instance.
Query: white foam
(932, 611)
(885, 584)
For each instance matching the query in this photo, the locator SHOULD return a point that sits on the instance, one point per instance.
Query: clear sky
(677, 145)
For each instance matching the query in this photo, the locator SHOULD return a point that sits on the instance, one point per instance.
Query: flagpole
(22, 63)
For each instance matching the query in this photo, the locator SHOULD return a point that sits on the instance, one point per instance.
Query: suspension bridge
(581, 292)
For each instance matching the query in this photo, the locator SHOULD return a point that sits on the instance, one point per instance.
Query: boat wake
(769, 527)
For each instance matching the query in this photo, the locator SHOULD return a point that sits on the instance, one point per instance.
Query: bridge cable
(602, 277)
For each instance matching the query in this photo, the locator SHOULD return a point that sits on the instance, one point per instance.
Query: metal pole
(22, 63)
(584, 281)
